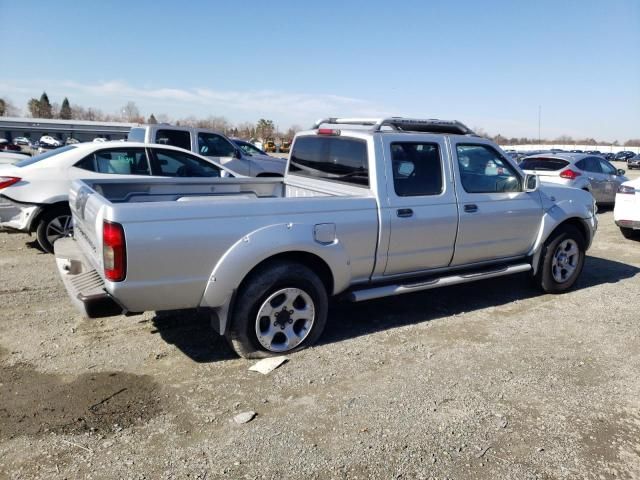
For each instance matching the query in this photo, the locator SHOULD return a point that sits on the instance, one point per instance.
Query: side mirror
(531, 183)
(237, 153)
(620, 172)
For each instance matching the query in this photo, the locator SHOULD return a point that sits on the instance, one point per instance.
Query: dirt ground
(486, 380)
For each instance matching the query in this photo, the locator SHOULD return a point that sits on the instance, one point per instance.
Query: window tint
(249, 148)
(170, 163)
(177, 138)
(331, 158)
(484, 170)
(122, 161)
(213, 145)
(590, 164)
(136, 135)
(43, 156)
(550, 164)
(417, 169)
(608, 168)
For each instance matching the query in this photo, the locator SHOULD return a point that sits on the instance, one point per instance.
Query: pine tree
(44, 106)
(65, 110)
(152, 120)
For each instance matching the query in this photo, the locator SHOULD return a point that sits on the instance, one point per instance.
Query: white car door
(497, 218)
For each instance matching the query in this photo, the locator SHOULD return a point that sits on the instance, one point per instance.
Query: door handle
(404, 212)
(471, 208)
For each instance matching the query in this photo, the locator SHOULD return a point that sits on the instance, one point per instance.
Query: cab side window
(484, 170)
(125, 161)
(171, 163)
(212, 145)
(417, 169)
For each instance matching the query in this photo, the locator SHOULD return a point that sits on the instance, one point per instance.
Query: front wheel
(54, 224)
(281, 308)
(562, 260)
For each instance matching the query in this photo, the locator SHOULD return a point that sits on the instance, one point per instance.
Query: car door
(221, 150)
(611, 182)
(422, 206)
(592, 169)
(174, 163)
(497, 218)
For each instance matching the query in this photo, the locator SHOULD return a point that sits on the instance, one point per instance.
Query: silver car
(587, 172)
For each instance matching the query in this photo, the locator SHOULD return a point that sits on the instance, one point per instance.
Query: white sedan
(34, 192)
(626, 212)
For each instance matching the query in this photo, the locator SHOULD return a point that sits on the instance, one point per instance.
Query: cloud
(249, 104)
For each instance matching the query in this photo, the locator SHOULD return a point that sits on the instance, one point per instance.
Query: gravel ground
(486, 380)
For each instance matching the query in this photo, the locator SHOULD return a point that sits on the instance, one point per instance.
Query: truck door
(222, 151)
(422, 204)
(497, 218)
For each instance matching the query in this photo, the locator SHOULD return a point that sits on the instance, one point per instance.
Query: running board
(390, 290)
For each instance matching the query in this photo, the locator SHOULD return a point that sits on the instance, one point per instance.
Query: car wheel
(629, 232)
(54, 224)
(281, 308)
(562, 260)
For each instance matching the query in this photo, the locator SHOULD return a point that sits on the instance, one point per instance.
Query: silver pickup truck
(367, 209)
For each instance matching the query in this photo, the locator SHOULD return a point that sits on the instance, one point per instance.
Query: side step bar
(390, 290)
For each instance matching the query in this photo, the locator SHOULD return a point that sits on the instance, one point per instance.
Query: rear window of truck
(136, 135)
(331, 158)
(550, 164)
(176, 138)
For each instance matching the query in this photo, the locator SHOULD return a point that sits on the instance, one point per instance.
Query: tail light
(8, 181)
(626, 189)
(114, 252)
(570, 174)
(328, 131)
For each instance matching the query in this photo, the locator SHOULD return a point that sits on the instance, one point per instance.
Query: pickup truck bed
(178, 231)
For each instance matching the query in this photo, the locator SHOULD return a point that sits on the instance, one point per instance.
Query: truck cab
(212, 144)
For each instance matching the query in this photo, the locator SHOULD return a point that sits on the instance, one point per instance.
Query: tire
(559, 270)
(53, 224)
(629, 233)
(260, 324)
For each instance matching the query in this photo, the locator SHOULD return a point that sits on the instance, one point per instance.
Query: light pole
(539, 121)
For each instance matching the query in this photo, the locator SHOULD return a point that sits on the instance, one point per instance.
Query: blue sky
(489, 64)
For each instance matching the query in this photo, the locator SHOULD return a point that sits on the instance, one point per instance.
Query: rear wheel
(281, 308)
(53, 224)
(562, 260)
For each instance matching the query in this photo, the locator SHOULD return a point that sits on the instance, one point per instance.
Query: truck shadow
(191, 332)
(348, 320)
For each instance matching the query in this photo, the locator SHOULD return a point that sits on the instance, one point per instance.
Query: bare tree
(7, 108)
(130, 112)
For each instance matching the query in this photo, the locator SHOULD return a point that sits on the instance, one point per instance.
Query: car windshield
(550, 164)
(43, 156)
(248, 148)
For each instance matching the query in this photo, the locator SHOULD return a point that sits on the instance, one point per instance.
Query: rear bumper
(83, 283)
(634, 224)
(16, 216)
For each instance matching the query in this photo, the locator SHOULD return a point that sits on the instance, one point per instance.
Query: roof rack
(399, 124)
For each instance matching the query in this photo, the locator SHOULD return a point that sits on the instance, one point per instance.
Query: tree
(152, 120)
(130, 112)
(34, 107)
(44, 106)
(264, 129)
(65, 110)
(3, 107)
(291, 132)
